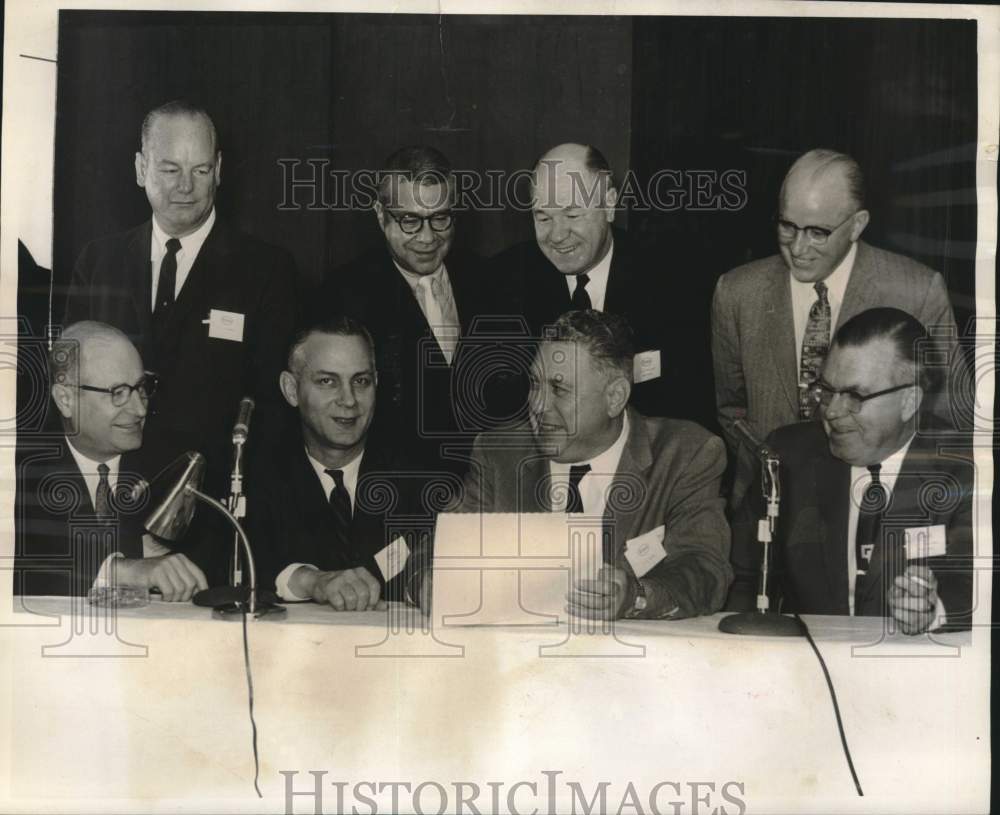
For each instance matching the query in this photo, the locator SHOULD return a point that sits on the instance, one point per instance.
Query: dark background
(653, 93)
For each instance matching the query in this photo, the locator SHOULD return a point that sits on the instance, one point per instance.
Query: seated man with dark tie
(323, 519)
(874, 520)
(75, 523)
(584, 450)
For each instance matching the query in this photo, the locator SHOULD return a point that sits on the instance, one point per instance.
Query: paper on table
(511, 569)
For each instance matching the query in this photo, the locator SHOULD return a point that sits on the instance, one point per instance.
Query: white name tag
(645, 551)
(925, 541)
(392, 560)
(646, 366)
(225, 325)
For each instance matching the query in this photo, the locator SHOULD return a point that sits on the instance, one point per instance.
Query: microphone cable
(253, 723)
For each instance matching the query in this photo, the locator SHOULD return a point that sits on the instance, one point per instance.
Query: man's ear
(289, 388)
(860, 222)
(218, 168)
(65, 398)
(610, 202)
(380, 215)
(140, 169)
(911, 402)
(616, 394)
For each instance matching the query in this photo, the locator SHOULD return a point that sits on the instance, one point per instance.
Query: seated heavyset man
(874, 521)
(74, 521)
(584, 448)
(321, 518)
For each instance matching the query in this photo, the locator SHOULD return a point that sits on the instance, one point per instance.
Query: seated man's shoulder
(799, 440)
(679, 437)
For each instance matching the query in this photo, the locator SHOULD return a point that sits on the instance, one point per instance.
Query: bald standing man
(773, 319)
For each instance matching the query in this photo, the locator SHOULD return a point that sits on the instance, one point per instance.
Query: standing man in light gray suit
(773, 319)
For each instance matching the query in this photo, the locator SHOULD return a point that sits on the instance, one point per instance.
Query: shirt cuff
(153, 548)
(940, 616)
(103, 579)
(281, 581)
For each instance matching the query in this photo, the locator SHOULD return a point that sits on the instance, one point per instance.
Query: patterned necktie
(581, 300)
(438, 311)
(340, 503)
(574, 502)
(815, 344)
(102, 498)
(869, 531)
(168, 277)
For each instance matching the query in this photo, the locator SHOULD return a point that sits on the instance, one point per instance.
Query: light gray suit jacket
(753, 336)
(669, 475)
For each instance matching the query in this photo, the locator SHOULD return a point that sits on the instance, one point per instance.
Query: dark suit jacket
(753, 335)
(673, 467)
(638, 289)
(289, 519)
(60, 543)
(202, 378)
(423, 404)
(810, 554)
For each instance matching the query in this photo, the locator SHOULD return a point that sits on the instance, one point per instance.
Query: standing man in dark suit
(874, 520)
(210, 308)
(333, 519)
(419, 300)
(579, 261)
(773, 319)
(75, 524)
(655, 482)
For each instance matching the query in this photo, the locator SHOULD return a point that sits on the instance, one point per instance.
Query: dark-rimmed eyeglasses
(817, 235)
(120, 394)
(822, 394)
(411, 224)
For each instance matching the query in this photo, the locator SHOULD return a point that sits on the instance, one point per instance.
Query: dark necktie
(873, 504)
(102, 498)
(574, 503)
(815, 344)
(340, 503)
(168, 277)
(581, 300)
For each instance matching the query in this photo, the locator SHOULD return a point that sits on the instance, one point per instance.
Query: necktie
(168, 277)
(574, 503)
(438, 311)
(102, 498)
(340, 503)
(815, 344)
(581, 300)
(869, 531)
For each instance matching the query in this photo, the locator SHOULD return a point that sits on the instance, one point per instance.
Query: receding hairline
(296, 356)
(154, 117)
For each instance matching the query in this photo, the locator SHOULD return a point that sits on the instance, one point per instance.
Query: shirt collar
(414, 279)
(598, 276)
(350, 469)
(836, 281)
(87, 465)
(190, 243)
(607, 462)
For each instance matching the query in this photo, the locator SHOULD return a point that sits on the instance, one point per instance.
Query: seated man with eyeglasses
(76, 525)
(773, 319)
(874, 520)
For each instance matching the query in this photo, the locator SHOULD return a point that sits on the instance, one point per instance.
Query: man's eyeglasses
(411, 224)
(817, 235)
(120, 394)
(822, 394)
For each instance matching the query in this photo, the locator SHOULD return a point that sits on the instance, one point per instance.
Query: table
(148, 711)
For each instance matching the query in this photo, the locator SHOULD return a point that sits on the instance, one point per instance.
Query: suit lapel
(779, 332)
(194, 297)
(616, 295)
(860, 291)
(621, 518)
(833, 484)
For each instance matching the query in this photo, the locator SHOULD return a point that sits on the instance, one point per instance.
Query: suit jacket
(639, 289)
(60, 542)
(810, 554)
(753, 336)
(423, 404)
(673, 466)
(289, 519)
(202, 379)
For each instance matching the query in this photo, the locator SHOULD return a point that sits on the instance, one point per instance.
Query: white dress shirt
(351, 471)
(595, 484)
(597, 288)
(804, 295)
(441, 313)
(186, 255)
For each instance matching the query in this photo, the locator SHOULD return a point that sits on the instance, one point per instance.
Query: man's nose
(800, 244)
(346, 397)
(137, 405)
(836, 408)
(425, 234)
(185, 181)
(559, 230)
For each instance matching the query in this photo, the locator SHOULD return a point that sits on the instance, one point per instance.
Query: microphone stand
(237, 507)
(763, 622)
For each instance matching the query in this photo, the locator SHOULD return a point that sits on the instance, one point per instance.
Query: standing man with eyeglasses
(75, 523)
(418, 298)
(773, 319)
(874, 520)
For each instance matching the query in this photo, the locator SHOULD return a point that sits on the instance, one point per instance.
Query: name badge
(925, 541)
(225, 325)
(392, 560)
(645, 551)
(646, 366)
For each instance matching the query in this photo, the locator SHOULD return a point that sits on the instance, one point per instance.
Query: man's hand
(174, 575)
(913, 599)
(600, 599)
(348, 590)
(426, 592)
